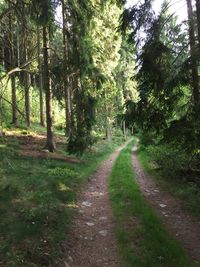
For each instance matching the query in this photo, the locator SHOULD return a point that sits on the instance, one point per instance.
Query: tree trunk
(12, 66)
(66, 79)
(198, 22)
(107, 125)
(79, 107)
(40, 78)
(27, 99)
(194, 67)
(27, 88)
(3, 51)
(47, 86)
(14, 102)
(124, 128)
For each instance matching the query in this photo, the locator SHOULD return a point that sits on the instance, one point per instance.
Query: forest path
(91, 240)
(182, 225)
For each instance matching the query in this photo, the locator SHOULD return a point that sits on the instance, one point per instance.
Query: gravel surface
(182, 225)
(92, 241)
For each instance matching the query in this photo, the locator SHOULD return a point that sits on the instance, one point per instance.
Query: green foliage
(180, 185)
(62, 172)
(81, 138)
(171, 159)
(170, 131)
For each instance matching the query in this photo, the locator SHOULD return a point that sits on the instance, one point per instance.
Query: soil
(182, 225)
(34, 146)
(92, 240)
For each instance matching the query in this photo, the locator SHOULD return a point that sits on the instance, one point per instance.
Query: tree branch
(6, 100)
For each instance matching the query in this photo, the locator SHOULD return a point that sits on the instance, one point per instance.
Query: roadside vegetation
(142, 238)
(38, 198)
(163, 164)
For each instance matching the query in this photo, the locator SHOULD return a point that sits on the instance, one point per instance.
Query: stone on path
(89, 223)
(86, 204)
(162, 205)
(103, 232)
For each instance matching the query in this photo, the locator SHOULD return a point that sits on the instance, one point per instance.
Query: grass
(142, 238)
(188, 192)
(38, 201)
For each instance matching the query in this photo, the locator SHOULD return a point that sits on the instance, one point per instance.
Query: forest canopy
(70, 55)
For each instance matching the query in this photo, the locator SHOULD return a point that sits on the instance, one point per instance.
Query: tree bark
(14, 102)
(40, 78)
(47, 86)
(198, 23)
(27, 88)
(194, 67)
(107, 124)
(66, 78)
(124, 128)
(79, 106)
(12, 65)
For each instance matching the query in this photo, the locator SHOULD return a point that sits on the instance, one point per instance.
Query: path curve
(91, 240)
(182, 225)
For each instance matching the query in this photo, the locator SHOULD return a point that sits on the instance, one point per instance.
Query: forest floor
(182, 225)
(33, 146)
(38, 193)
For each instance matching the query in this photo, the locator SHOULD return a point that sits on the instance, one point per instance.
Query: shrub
(170, 159)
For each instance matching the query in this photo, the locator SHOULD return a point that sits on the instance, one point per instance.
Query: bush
(170, 159)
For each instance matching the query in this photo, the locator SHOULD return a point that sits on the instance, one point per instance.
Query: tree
(40, 77)
(48, 90)
(198, 21)
(67, 94)
(194, 68)
(42, 13)
(106, 40)
(12, 66)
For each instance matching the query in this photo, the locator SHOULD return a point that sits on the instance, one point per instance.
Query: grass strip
(142, 238)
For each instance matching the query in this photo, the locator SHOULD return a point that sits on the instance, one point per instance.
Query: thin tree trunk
(27, 88)
(3, 52)
(124, 128)
(108, 127)
(27, 99)
(47, 86)
(18, 47)
(79, 107)
(198, 22)
(194, 67)
(40, 79)
(66, 79)
(14, 102)
(12, 65)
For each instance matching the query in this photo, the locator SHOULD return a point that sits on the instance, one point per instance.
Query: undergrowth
(37, 202)
(177, 184)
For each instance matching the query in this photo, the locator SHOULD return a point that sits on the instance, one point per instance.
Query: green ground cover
(38, 200)
(142, 238)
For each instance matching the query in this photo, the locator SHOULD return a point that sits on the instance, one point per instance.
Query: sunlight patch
(62, 187)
